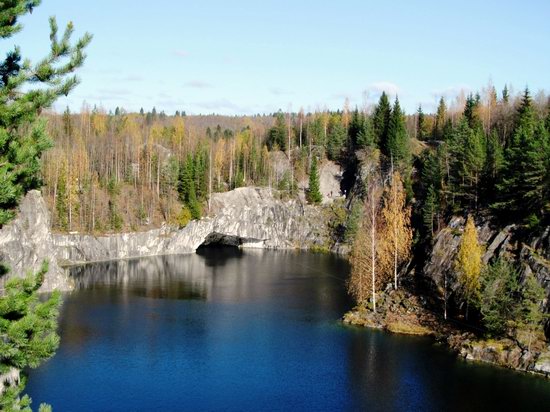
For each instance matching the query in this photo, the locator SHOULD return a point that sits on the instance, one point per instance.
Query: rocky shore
(405, 313)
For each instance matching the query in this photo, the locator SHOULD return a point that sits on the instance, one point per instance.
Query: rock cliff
(533, 256)
(247, 217)
(27, 241)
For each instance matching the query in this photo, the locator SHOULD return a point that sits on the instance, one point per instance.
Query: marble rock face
(246, 217)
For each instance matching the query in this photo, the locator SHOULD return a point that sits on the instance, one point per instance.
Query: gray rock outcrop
(27, 241)
(532, 256)
(247, 217)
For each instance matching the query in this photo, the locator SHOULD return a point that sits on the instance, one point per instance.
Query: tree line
(490, 159)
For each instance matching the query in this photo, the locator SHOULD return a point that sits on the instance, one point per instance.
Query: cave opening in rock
(218, 240)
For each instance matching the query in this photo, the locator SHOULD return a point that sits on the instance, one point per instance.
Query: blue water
(238, 331)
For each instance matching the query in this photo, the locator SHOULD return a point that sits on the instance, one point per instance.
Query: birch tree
(397, 228)
(366, 248)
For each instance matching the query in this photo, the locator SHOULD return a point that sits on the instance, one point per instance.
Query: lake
(233, 330)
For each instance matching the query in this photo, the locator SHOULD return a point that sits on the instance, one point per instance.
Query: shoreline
(403, 313)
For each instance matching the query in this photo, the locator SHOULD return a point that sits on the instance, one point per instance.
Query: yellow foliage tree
(365, 255)
(468, 263)
(396, 247)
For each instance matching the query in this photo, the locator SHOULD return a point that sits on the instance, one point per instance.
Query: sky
(247, 57)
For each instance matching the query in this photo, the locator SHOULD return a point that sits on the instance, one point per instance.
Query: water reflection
(230, 329)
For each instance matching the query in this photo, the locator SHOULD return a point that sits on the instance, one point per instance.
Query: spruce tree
(278, 133)
(429, 211)
(440, 120)
(421, 124)
(397, 143)
(365, 137)
(494, 162)
(336, 138)
(524, 181)
(381, 120)
(314, 191)
(498, 304)
(467, 152)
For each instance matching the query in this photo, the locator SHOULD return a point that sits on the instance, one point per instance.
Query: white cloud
(198, 84)
(451, 91)
(181, 53)
(377, 88)
(222, 105)
(278, 91)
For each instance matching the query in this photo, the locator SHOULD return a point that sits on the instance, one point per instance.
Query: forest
(130, 171)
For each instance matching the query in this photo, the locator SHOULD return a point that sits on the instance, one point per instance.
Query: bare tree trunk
(373, 252)
(158, 176)
(301, 128)
(210, 179)
(445, 296)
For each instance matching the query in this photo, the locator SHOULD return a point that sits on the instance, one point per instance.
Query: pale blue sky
(237, 57)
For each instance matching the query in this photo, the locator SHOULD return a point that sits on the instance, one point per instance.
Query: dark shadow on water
(217, 254)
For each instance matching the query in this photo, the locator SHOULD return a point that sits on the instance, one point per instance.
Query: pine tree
(314, 191)
(468, 264)
(381, 120)
(27, 325)
(28, 329)
(25, 91)
(398, 232)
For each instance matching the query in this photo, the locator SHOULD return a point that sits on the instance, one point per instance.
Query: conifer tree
(505, 94)
(468, 264)
(336, 138)
(525, 173)
(440, 120)
(381, 120)
(278, 133)
(27, 325)
(25, 90)
(498, 303)
(531, 315)
(494, 162)
(365, 136)
(467, 152)
(397, 144)
(429, 211)
(314, 190)
(421, 124)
